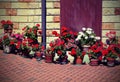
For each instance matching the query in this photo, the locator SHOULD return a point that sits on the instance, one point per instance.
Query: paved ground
(14, 68)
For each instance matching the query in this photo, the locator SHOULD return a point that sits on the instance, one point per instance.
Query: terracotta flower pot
(78, 60)
(48, 59)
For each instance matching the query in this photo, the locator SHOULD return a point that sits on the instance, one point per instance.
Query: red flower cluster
(6, 22)
(73, 52)
(55, 33)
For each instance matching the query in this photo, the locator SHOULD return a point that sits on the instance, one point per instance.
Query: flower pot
(111, 63)
(78, 60)
(94, 62)
(48, 59)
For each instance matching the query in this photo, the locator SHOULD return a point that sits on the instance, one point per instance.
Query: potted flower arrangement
(57, 46)
(65, 42)
(8, 43)
(49, 55)
(30, 41)
(8, 26)
(113, 48)
(96, 52)
(87, 37)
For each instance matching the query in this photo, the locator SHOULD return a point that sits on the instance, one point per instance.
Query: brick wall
(28, 12)
(111, 17)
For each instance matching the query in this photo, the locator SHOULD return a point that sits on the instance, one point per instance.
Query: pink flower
(38, 25)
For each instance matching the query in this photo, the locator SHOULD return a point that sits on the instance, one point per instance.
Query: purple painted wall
(76, 14)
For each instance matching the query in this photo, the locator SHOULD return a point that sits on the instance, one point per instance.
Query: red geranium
(11, 42)
(6, 22)
(59, 52)
(55, 33)
(73, 52)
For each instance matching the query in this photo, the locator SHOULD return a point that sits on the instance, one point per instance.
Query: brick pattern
(111, 17)
(11, 12)
(18, 69)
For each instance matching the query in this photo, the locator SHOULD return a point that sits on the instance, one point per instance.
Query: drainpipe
(43, 3)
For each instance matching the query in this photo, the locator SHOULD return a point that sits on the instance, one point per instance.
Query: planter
(94, 62)
(78, 60)
(111, 63)
(48, 59)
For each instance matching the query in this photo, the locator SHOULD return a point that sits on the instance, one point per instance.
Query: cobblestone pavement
(14, 68)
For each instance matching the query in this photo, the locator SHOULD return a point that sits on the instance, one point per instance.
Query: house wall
(28, 12)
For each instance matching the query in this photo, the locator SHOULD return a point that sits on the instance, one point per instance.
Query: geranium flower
(63, 29)
(55, 33)
(73, 52)
(11, 42)
(59, 52)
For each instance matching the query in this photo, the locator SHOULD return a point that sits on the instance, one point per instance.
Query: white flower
(97, 38)
(89, 29)
(83, 28)
(89, 32)
(91, 36)
(86, 37)
(81, 33)
(78, 37)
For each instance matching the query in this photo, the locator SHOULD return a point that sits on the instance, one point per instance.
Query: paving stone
(14, 68)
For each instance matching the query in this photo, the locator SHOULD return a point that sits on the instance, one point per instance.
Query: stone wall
(28, 12)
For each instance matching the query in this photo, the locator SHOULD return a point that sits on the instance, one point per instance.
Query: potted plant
(8, 43)
(95, 53)
(113, 56)
(30, 42)
(49, 55)
(86, 38)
